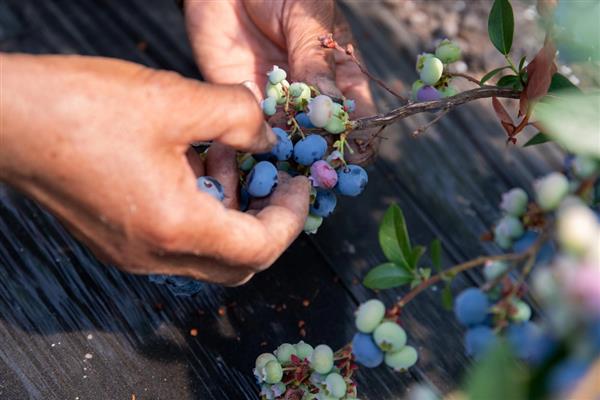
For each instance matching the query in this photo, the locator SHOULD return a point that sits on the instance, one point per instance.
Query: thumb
(229, 114)
(303, 23)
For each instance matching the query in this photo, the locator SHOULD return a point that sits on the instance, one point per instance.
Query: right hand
(102, 143)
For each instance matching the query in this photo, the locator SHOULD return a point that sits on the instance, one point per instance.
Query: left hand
(237, 40)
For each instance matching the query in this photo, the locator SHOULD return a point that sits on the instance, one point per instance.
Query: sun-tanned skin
(103, 143)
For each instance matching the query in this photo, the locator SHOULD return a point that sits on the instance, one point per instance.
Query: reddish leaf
(505, 119)
(295, 359)
(540, 71)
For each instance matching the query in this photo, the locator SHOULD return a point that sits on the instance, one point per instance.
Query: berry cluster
(299, 152)
(305, 372)
(435, 82)
(380, 340)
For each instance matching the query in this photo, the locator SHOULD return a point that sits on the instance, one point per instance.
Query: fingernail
(254, 89)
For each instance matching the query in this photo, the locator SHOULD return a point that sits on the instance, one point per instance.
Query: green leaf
(415, 255)
(510, 81)
(388, 275)
(435, 251)
(571, 119)
(498, 376)
(393, 237)
(501, 25)
(521, 63)
(491, 74)
(447, 297)
(425, 273)
(539, 138)
(560, 82)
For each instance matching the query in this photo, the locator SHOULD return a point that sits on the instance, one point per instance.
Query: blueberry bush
(550, 237)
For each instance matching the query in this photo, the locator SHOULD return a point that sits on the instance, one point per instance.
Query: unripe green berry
(418, 84)
(337, 122)
(421, 60)
(261, 361)
(584, 166)
(303, 350)
(514, 202)
(432, 70)
(276, 75)
(577, 228)
(448, 91)
(312, 224)
(275, 91)
(493, 269)
(284, 353)
(335, 385)
(510, 227)
(273, 372)
(269, 105)
(321, 359)
(504, 242)
(389, 336)
(369, 315)
(300, 93)
(448, 52)
(522, 311)
(402, 359)
(550, 190)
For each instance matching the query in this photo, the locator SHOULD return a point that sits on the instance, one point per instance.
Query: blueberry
(493, 269)
(416, 86)
(510, 227)
(303, 120)
(448, 91)
(178, 285)
(335, 385)
(402, 359)
(262, 179)
(478, 340)
(546, 252)
(349, 105)
(303, 350)
(260, 363)
(428, 93)
(283, 149)
(566, 375)
(471, 307)
(269, 105)
(432, 70)
(310, 149)
(273, 372)
(321, 359)
(366, 351)
(447, 51)
(522, 311)
(389, 336)
(514, 202)
(284, 353)
(211, 186)
(320, 110)
(324, 203)
(244, 199)
(312, 224)
(276, 75)
(369, 315)
(550, 190)
(522, 337)
(323, 175)
(352, 180)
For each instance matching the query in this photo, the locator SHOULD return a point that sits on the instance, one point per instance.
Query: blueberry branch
(528, 254)
(445, 103)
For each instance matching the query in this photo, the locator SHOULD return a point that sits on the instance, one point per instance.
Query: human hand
(102, 144)
(237, 40)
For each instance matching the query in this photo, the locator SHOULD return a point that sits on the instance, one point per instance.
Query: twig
(467, 77)
(445, 103)
(422, 129)
(330, 43)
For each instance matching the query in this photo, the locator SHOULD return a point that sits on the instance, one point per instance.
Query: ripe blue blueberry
(416, 86)
(310, 149)
(211, 186)
(262, 179)
(283, 149)
(471, 307)
(366, 351)
(478, 340)
(303, 120)
(522, 338)
(389, 336)
(369, 315)
(546, 253)
(402, 359)
(324, 203)
(352, 180)
(179, 285)
(321, 359)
